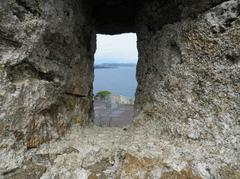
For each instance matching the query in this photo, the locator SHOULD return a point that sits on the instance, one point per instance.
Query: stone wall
(47, 47)
(187, 101)
(188, 74)
(46, 69)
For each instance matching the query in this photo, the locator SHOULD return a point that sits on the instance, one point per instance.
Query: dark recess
(123, 16)
(115, 17)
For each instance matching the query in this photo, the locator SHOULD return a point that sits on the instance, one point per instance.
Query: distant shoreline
(113, 65)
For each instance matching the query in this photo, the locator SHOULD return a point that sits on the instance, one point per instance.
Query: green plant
(102, 94)
(1, 67)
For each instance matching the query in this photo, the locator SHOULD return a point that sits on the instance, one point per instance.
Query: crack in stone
(7, 39)
(76, 95)
(26, 69)
(10, 171)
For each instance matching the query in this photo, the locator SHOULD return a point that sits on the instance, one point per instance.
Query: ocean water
(120, 80)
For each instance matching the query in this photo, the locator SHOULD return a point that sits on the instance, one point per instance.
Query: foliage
(102, 94)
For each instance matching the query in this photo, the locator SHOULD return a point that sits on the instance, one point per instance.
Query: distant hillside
(114, 65)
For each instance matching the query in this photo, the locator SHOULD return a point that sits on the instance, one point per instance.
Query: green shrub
(102, 94)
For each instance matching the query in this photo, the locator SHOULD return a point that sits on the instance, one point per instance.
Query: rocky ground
(94, 152)
(111, 151)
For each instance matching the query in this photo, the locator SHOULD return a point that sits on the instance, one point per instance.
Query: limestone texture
(187, 104)
(46, 69)
(196, 64)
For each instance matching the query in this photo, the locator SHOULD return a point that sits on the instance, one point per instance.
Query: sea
(116, 78)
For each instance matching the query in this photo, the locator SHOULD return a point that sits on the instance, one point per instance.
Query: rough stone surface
(193, 66)
(142, 152)
(187, 101)
(46, 69)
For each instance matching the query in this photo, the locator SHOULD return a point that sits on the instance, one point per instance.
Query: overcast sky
(117, 48)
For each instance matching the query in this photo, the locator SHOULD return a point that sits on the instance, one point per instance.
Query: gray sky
(117, 48)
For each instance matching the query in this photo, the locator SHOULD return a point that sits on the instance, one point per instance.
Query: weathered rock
(30, 171)
(46, 74)
(194, 73)
(140, 153)
(187, 101)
